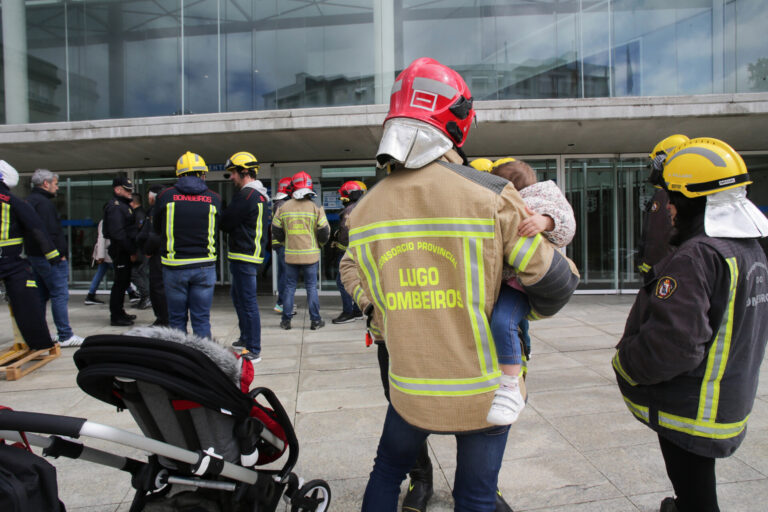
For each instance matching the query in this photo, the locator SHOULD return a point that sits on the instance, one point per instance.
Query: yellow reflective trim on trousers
(446, 387)
(52, 254)
(523, 251)
(31, 283)
(640, 411)
(707, 429)
(444, 227)
(717, 359)
(357, 292)
(5, 221)
(175, 262)
(170, 212)
(211, 231)
(617, 366)
(11, 241)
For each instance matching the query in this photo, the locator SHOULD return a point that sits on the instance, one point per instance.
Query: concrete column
(15, 62)
(384, 49)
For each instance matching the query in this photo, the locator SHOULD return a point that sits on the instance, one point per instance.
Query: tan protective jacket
(426, 249)
(298, 224)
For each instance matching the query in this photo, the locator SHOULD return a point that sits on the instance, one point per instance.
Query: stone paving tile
(592, 400)
(613, 505)
(316, 401)
(563, 378)
(602, 430)
(340, 425)
(337, 379)
(598, 360)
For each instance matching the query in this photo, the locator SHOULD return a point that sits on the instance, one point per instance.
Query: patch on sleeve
(654, 207)
(665, 287)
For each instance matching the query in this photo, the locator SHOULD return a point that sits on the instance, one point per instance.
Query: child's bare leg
(513, 370)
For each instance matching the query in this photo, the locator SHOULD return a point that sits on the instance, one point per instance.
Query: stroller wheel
(314, 496)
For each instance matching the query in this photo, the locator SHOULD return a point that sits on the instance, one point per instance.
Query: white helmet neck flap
(729, 214)
(411, 143)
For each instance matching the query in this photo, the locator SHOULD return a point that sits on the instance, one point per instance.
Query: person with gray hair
(52, 275)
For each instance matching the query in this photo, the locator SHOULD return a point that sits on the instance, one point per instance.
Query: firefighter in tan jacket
(302, 227)
(426, 249)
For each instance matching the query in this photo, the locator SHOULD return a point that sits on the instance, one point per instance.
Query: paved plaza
(576, 448)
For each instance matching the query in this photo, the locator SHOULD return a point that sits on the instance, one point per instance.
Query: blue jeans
(190, 289)
(509, 312)
(347, 304)
(310, 283)
(53, 283)
(244, 285)
(101, 271)
(478, 460)
(280, 268)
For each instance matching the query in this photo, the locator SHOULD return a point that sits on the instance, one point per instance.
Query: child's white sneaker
(507, 403)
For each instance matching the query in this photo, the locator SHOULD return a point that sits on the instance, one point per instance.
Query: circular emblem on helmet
(665, 287)
(654, 207)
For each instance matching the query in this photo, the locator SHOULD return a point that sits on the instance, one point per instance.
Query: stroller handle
(76, 427)
(41, 423)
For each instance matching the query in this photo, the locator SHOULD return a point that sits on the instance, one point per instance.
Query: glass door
(591, 190)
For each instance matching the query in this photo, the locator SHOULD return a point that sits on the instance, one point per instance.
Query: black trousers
(422, 470)
(692, 476)
(157, 290)
(122, 265)
(28, 308)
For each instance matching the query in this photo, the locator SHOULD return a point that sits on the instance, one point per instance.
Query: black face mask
(689, 220)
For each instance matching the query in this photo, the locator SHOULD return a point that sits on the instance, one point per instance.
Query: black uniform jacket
(18, 221)
(689, 359)
(247, 220)
(656, 231)
(148, 240)
(187, 218)
(40, 201)
(120, 226)
(342, 234)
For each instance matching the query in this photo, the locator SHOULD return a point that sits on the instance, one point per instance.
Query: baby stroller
(206, 434)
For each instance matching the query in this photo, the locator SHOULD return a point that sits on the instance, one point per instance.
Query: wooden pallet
(20, 360)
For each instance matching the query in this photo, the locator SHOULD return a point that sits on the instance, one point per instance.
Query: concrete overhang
(509, 127)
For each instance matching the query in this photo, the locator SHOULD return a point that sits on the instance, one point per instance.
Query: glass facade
(103, 59)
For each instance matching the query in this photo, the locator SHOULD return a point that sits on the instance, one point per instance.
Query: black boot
(501, 504)
(668, 505)
(417, 497)
(420, 487)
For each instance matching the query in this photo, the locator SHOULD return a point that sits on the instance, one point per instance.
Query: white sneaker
(73, 341)
(507, 403)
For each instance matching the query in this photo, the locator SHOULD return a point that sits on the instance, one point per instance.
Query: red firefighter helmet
(431, 92)
(352, 191)
(284, 186)
(301, 180)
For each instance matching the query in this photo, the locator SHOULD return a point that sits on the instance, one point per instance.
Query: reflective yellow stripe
(475, 290)
(617, 366)
(12, 241)
(638, 410)
(446, 387)
(302, 251)
(444, 227)
(245, 257)
(372, 277)
(175, 262)
(31, 283)
(322, 222)
(698, 428)
(357, 293)
(644, 267)
(5, 222)
(717, 359)
(259, 232)
(170, 212)
(52, 254)
(212, 231)
(523, 251)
